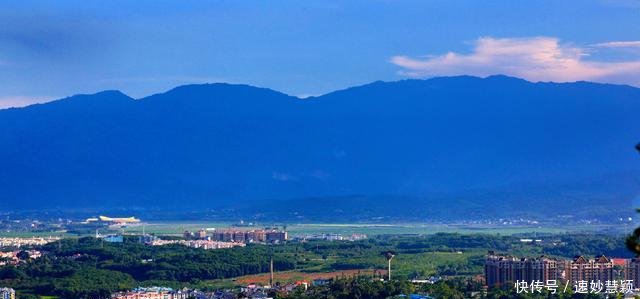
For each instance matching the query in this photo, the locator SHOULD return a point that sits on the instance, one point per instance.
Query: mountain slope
(498, 140)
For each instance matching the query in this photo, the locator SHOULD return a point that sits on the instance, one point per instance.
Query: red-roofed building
(620, 262)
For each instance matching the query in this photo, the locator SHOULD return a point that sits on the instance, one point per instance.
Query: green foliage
(23, 255)
(355, 288)
(633, 241)
(90, 268)
(456, 254)
(92, 283)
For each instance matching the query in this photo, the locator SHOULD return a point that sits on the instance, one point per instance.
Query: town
(600, 274)
(266, 262)
(500, 271)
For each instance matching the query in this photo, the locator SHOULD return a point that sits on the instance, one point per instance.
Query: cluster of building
(268, 235)
(330, 237)
(20, 242)
(430, 280)
(505, 269)
(112, 238)
(251, 291)
(118, 238)
(7, 293)
(210, 238)
(204, 244)
(13, 257)
(254, 291)
(112, 220)
(158, 293)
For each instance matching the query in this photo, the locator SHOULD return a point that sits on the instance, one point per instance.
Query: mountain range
(443, 147)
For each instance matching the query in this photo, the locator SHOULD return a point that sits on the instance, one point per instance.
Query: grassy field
(34, 234)
(178, 227)
(287, 277)
(175, 228)
(404, 265)
(293, 276)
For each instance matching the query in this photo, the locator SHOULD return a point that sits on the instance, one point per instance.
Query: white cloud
(532, 58)
(619, 44)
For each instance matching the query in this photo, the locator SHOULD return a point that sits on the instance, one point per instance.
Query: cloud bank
(533, 58)
(620, 44)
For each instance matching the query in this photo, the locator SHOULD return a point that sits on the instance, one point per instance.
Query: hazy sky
(49, 51)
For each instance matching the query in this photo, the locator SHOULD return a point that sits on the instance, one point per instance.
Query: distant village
(15, 250)
(205, 238)
(216, 238)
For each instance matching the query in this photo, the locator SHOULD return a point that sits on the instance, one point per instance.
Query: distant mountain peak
(101, 95)
(215, 89)
(226, 90)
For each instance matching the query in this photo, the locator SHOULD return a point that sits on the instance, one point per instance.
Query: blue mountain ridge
(440, 147)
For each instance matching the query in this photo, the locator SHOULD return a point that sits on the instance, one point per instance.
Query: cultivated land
(177, 227)
(293, 276)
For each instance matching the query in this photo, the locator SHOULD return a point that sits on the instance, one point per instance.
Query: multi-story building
(154, 293)
(204, 244)
(7, 293)
(256, 236)
(239, 236)
(224, 236)
(276, 236)
(251, 236)
(201, 234)
(582, 269)
(632, 270)
(503, 269)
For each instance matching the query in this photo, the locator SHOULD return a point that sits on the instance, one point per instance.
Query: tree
(633, 241)
(23, 255)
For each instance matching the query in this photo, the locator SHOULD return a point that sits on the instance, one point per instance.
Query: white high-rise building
(7, 293)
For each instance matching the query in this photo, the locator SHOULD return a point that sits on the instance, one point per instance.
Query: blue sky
(49, 51)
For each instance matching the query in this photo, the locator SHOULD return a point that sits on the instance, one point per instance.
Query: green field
(176, 228)
(35, 234)
(372, 229)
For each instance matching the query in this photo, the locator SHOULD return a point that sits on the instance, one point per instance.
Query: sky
(54, 49)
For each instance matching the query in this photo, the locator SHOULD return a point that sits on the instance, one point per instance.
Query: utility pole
(389, 256)
(389, 271)
(271, 270)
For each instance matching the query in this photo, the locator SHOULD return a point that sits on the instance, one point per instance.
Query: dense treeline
(171, 262)
(561, 245)
(354, 288)
(89, 268)
(417, 259)
(456, 288)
